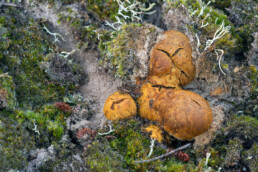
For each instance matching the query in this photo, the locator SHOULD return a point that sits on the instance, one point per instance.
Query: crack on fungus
(175, 53)
(179, 69)
(164, 51)
(172, 61)
(196, 102)
(161, 86)
(116, 102)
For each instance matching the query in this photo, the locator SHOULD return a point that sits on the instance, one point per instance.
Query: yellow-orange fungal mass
(119, 106)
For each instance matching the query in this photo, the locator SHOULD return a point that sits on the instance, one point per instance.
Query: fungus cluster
(119, 106)
(183, 114)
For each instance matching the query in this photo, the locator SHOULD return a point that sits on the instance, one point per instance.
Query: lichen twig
(66, 54)
(207, 158)
(129, 10)
(54, 34)
(207, 16)
(220, 32)
(198, 40)
(35, 129)
(110, 131)
(202, 7)
(164, 155)
(151, 146)
(219, 57)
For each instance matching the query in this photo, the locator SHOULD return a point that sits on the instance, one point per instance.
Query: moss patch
(243, 127)
(15, 144)
(128, 144)
(7, 92)
(24, 47)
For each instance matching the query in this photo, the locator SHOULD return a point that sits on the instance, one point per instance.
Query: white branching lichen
(203, 6)
(151, 146)
(66, 54)
(220, 32)
(193, 13)
(112, 25)
(35, 129)
(56, 35)
(110, 131)
(207, 16)
(129, 11)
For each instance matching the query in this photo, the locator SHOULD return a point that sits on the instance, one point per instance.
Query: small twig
(110, 130)
(164, 155)
(151, 146)
(10, 5)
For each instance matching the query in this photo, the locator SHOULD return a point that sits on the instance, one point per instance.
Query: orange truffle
(119, 106)
(171, 61)
(156, 132)
(184, 114)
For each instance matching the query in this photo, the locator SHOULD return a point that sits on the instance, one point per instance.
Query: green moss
(250, 157)
(84, 32)
(117, 54)
(24, 48)
(234, 150)
(222, 5)
(104, 9)
(244, 15)
(244, 127)
(128, 145)
(15, 144)
(7, 92)
(227, 149)
(100, 157)
(49, 120)
(63, 159)
(216, 158)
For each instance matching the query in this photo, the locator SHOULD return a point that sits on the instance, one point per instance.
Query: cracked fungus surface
(184, 114)
(149, 96)
(171, 61)
(119, 106)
